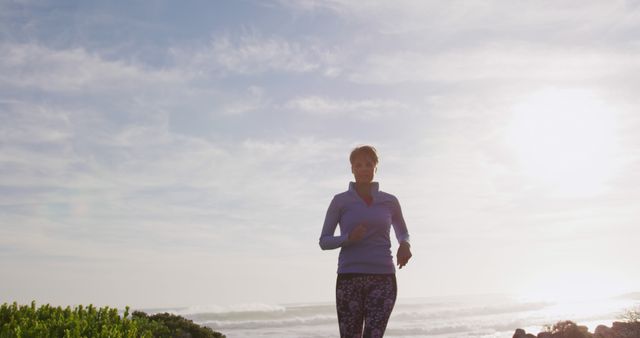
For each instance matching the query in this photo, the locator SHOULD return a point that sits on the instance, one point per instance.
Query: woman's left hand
(404, 254)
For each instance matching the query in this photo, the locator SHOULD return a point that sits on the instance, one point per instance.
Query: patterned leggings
(364, 298)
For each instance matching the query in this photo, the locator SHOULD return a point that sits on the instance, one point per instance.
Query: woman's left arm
(402, 234)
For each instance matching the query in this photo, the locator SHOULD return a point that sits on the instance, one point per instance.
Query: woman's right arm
(327, 240)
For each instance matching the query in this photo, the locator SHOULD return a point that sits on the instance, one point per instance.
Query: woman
(366, 285)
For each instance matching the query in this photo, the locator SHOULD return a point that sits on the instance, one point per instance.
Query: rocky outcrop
(618, 330)
(603, 331)
(520, 333)
(568, 329)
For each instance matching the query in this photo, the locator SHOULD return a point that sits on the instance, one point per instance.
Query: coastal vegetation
(27, 321)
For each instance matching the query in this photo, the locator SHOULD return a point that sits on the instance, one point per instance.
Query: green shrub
(177, 326)
(29, 321)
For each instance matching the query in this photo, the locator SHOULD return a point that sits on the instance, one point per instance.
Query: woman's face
(363, 169)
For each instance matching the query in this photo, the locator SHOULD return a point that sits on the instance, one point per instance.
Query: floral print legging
(365, 298)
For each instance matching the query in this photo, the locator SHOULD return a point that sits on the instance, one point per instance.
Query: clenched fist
(357, 233)
(404, 254)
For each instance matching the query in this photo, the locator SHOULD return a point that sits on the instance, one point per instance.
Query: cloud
(449, 42)
(144, 178)
(252, 54)
(23, 122)
(109, 94)
(96, 158)
(491, 18)
(256, 55)
(34, 66)
(507, 63)
(251, 100)
(137, 89)
(359, 109)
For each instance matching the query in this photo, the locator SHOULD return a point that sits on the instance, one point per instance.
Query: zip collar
(374, 188)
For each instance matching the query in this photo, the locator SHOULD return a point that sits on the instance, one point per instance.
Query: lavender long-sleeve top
(372, 254)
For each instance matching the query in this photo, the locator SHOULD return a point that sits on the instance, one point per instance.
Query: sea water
(462, 316)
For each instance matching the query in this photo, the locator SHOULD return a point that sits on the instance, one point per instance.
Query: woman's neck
(363, 188)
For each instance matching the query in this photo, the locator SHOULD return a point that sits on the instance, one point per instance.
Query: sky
(162, 153)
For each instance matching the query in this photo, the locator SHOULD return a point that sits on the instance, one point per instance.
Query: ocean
(483, 316)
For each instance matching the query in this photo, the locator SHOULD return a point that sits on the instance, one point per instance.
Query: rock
(568, 329)
(520, 333)
(602, 331)
(625, 330)
(618, 325)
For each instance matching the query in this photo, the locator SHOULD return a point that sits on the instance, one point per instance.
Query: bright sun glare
(571, 287)
(566, 140)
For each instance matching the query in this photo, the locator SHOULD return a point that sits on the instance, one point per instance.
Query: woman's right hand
(357, 233)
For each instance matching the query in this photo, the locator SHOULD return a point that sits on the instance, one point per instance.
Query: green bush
(29, 321)
(176, 326)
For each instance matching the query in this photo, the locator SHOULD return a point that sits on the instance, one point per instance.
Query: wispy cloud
(256, 55)
(143, 177)
(112, 162)
(251, 54)
(523, 62)
(359, 109)
(33, 66)
(569, 19)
